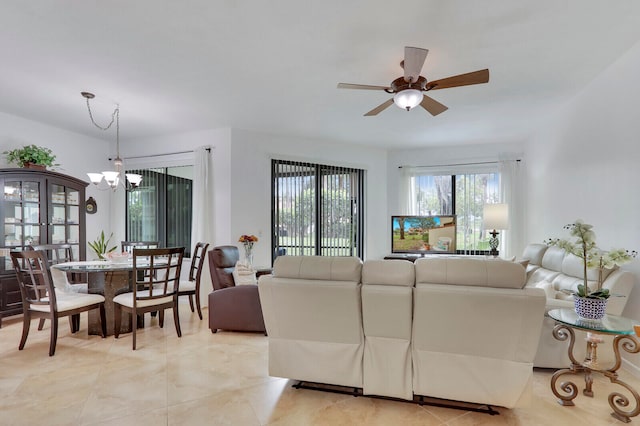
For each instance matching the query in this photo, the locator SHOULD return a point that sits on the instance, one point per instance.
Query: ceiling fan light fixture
(408, 98)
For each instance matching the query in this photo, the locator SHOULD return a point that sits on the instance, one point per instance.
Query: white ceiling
(273, 66)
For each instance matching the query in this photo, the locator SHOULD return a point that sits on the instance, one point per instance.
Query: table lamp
(496, 216)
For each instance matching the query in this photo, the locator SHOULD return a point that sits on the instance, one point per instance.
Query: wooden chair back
(197, 260)
(128, 246)
(55, 253)
(34, 279)
(157, 272)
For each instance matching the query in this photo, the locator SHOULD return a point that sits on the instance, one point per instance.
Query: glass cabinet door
(65, 217)
(21, 213)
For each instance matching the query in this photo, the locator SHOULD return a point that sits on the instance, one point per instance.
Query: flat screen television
(423, 234)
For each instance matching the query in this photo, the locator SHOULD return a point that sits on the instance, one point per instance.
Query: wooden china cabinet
(37, 207)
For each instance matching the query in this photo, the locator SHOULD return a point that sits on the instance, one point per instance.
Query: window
(464, 195)
(160, 208)
(317, 209)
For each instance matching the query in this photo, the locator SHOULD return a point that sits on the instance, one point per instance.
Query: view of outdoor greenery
(160, 208)
(317, 223)
(434, 196)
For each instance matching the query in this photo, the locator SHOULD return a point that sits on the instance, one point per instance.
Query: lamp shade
(408, 98)
(96, 178)
(134, 179)
(496, 216)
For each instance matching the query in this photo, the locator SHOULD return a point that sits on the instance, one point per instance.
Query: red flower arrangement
(248, 239)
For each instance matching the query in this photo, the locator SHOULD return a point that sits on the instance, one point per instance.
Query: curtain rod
(461, 164)
(208, 149)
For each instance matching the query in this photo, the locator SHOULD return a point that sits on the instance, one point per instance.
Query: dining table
(105, 277)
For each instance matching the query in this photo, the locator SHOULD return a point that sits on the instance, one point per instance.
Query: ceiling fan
(408, 89)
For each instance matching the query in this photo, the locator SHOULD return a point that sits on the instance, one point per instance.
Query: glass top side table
(623, 329)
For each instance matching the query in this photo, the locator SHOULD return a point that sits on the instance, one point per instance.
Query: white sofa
(466, 331)
(312, 311)
(554, 270)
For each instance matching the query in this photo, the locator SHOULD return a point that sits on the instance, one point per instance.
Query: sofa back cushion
(480, 272)
(318, 268)
(387, 313)
(388, 272)
(553, 258)
(534, 253)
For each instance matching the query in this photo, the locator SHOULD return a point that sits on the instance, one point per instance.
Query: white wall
(77, 154)
(251, 155)
(242, 176)
(218, 139)
(584, 165)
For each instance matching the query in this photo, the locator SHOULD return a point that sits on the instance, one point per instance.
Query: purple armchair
(232, 307)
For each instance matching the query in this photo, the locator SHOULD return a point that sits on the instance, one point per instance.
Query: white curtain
(202, 210)
(511, 193)
(408, 191)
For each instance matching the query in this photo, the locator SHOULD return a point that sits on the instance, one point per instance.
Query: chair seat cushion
(69, 301)
(187, 286)
(126, 299)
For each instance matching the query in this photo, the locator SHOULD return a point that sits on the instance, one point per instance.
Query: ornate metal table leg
(617, 401)
(568, 390)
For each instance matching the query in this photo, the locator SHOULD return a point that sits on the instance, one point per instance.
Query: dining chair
(128, 246)
(191, 287)
(157, 283)
(61, 253)
(41, 300)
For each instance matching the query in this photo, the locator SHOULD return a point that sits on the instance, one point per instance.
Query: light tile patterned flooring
(216, 379)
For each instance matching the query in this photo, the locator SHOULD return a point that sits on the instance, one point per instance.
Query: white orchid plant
(584, 246)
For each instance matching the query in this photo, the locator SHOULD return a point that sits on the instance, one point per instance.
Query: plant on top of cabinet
(31, 154)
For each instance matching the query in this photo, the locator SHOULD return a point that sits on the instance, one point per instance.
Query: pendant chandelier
(115, 177)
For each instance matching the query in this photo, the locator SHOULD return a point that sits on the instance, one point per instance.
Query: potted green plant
(590, 303)
(101, 246)
(31, 155)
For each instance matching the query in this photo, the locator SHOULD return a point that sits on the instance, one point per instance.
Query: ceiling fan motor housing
(399, 84)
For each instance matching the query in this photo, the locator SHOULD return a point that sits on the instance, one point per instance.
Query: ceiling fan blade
(476, 77)
(361, 86)
(432, 106)
(413, 61)
(377, 110)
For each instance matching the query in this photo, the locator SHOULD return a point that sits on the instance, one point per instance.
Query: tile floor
(216, 379)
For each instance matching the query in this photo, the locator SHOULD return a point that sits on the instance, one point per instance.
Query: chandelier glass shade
(115, 177)
(408, 98)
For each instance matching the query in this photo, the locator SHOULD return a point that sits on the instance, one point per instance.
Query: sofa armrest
(619, 283)
(236, 308)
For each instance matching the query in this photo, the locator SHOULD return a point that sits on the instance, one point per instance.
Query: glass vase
(248, 256)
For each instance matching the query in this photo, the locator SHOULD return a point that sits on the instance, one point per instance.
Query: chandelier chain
(114, 114)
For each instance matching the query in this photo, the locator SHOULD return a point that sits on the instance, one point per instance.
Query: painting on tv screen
(423, 234)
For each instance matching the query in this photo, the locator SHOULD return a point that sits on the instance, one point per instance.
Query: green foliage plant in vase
(101, 246)
(591, 303)
(30, 155)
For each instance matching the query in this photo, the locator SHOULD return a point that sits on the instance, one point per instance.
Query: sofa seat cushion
(480, 272)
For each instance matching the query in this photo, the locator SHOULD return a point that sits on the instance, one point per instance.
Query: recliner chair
(231, 307)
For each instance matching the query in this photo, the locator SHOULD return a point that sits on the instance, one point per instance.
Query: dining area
(116, 292)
